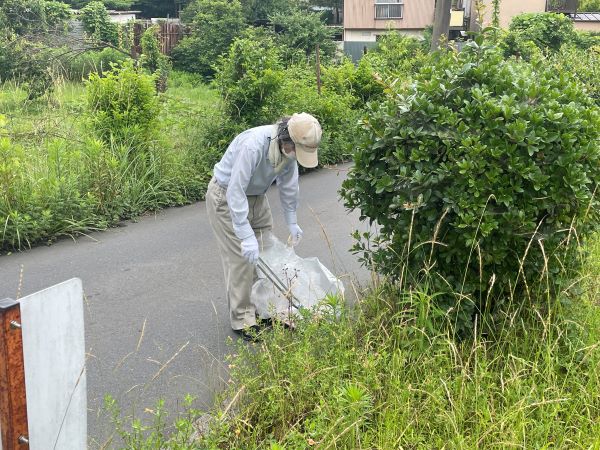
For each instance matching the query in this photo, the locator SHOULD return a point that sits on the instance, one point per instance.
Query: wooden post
(13, 400)
(318, 71)
(441, 22)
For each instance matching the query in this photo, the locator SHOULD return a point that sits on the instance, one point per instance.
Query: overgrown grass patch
(379, 376)
(57, 179)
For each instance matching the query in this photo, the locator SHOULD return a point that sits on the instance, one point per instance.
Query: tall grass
(56, 179)
(381, 376)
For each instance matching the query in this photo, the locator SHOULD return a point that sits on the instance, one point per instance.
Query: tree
(214, 25)
(110, 4)
(260, 10)
(337, 7)
(441, 22)
(33, 16)
(97, 24)
(589, 5)
(304, 30)
(160, 8)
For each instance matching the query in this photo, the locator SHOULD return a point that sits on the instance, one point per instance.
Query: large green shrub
(548, 31)
(479, 174)
(79, 67)
(214, 25)
(298, 93)
(394, 60)
(583, 65)
(123, 106)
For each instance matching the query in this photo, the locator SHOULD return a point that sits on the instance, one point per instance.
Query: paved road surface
(156, 315)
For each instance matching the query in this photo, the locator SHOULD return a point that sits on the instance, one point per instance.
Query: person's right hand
(250, 249)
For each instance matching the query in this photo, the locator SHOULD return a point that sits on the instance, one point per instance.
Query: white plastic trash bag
(308, 279)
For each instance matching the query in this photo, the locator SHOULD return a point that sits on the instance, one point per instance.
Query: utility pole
(441, 22)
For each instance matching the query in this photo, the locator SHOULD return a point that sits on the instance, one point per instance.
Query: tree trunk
(441, 22)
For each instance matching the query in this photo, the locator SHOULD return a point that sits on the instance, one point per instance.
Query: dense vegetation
(478, 180)
(480, 169)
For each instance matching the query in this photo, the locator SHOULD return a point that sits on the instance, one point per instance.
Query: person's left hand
(295, 234)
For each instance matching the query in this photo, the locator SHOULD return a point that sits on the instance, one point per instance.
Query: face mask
(289, 154)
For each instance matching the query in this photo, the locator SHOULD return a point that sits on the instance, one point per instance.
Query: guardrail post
(13, 399)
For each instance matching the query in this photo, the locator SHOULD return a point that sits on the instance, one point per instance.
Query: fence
(169, 35)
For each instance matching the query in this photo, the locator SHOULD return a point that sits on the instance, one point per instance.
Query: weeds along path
(156, 314)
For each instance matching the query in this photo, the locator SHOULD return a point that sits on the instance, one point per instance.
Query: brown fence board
(169, 35)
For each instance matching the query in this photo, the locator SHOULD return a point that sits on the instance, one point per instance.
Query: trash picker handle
(281, 287)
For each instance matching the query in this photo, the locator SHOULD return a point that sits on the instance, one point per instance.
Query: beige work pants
(239, 273)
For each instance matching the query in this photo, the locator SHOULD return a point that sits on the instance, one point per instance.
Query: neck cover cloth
(277, 160)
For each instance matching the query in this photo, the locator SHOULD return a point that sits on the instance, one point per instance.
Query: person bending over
(238, 209)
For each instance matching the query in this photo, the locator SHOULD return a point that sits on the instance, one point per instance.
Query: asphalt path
(156, 317)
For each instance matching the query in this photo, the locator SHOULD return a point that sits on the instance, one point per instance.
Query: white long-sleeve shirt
(245, 170)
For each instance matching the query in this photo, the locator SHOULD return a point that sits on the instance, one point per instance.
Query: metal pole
(13, 399)
(318, 68)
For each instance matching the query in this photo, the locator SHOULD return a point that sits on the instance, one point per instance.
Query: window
(388, 9)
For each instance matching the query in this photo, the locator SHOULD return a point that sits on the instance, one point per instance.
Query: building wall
(360, 15)
(371, 35)
(587, 26)
(512, 8)
(121, 18)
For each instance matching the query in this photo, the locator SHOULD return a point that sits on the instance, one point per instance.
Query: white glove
(250, 249)
(295, 234)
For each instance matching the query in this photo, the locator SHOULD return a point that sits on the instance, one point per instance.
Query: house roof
(586, 17)
(113, 12)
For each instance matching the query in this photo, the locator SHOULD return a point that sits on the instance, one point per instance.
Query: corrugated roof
(586, 17)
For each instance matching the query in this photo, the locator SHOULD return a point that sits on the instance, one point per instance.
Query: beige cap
(306, 132)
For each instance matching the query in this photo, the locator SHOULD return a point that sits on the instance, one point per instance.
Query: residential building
(510, 9)
(366, 20)
(585, 21)
(122, 16)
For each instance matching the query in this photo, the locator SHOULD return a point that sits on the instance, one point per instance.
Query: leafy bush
(57, 14)
(28, 63)
(589, 5)
(23, 16)
(257, 89)
(396, 58)
(214, 25)
(302, 31)
(151, 54)
(97, 24)
(586, 39)
(79, 67)
(548, 31)
(257, 11)
(123, 106)
(298, 93)
(250, 72)
(583, 65)
(478, 174)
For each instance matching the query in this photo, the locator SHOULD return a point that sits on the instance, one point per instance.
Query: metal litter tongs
(280, 285)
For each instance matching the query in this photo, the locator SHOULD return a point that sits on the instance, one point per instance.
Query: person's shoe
(271, 321)
(264, 323)
(249, 334)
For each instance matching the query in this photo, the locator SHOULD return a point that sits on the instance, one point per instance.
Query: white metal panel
(55, 378)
